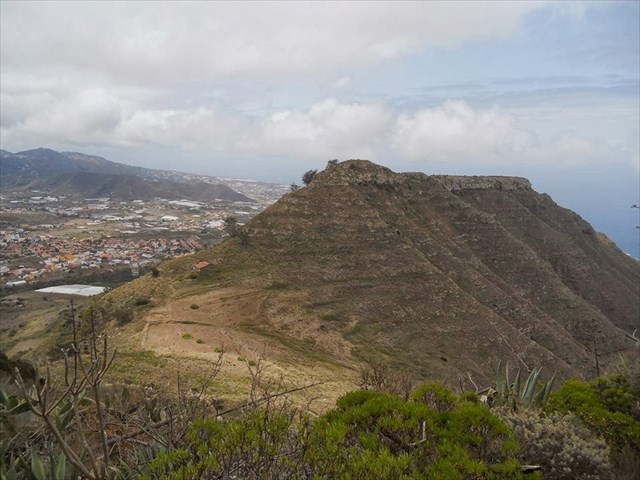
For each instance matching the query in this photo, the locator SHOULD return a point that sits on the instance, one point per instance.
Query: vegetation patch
(319, 303)
(276, 285)
(215, 273)
(334, 317)
(302, 347)
(141, 301)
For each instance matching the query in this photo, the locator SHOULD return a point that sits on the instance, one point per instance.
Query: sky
(267, 90)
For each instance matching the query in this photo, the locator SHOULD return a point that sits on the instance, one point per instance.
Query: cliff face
(442, 275)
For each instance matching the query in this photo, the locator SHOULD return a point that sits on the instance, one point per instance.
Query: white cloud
(163, 42)
(326, 130)
(89, 116)
(200, 129)
(455, 131)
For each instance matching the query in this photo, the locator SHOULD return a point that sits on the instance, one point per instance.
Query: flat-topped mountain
(72, 173)
(439, 275)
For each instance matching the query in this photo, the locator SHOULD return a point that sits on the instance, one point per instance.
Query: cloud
(90, 116)
(135, 43)
(455, 131)
(200, 129)
(326, 130)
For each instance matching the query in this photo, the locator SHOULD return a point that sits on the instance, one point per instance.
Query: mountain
(43, 162)
(73, 173)
(131, 187)
(437, 275)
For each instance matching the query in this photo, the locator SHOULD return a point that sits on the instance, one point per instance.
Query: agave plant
(30, 465)
(527, 393)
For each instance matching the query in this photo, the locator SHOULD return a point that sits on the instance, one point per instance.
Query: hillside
(72, 173)
(437, 275)
(131, 187)
(44, 162)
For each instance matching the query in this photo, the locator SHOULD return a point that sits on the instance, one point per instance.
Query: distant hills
(72, 173)
(437, 275)
(132, 187)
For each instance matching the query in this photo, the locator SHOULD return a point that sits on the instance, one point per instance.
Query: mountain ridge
(434, 274)
(66, 173)
(132, 187)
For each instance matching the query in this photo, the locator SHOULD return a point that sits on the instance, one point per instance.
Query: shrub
(277, 285)
(435, 395)
(141, 301)
(194, 306)
(187, 336)
(382, 378)
(308, 176)
(123, 315)
(258, 445)
(560, 444)
(610, 408)
(377, 435)
(607, 406)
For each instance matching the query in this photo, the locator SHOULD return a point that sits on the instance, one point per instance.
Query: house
(201, 265)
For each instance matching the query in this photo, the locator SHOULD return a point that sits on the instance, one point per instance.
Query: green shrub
(258, 445)
(369, 435)
(610, 408)
(141, 301)
(607, 406)
(435, 395)
(276, 285)
(187, 336)
(194, 306)
(123, 315)
(410, 439)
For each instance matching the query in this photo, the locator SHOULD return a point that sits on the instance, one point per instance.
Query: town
(45, 239)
